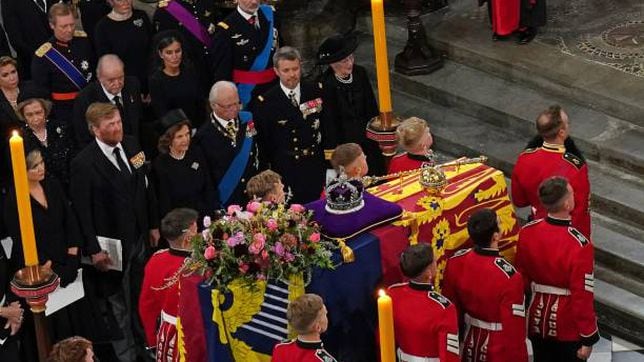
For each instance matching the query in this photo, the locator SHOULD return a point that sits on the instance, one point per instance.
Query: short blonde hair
(410, 132)
(344, 155)
(72, 349)
(58, 9)
(262, 184)
(98, 111)
(303, 312)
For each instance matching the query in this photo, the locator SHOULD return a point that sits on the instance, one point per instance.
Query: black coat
(27, 26)
(131, 98)
(58, 152)
(292, 143)
(109, 205)
(219, 151)
(9, 121)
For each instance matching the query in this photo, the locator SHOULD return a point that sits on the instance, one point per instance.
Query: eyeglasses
(228, 106)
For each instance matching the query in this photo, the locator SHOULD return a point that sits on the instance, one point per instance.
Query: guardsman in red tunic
(307, 317)
(425, 322)
(551, 159)
(556, 261)
(413, 137)
(488, 293)
(159, 298)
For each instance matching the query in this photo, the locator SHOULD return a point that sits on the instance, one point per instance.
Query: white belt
(405, 357)
(168, 318)
(490, 326)
(548, 289)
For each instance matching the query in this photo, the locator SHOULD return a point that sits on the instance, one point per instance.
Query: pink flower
(205, 233)
(289, 257)
(297, 208)
(236, 239)
(258, 244)
(206, 221)
(243, 268)
(261, 277)
(232, 209)
(254, 206)
(314, 238)
(210, 252)
(279, 249)
(271, 224)
(264, 254)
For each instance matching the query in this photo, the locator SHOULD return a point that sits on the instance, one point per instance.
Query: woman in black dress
(174, 83)
(57, 239)
(179, 172)
(51, 138)
(9, 120)
(126, 32)
(349, 102)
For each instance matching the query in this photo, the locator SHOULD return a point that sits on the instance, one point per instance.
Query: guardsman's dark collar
(420, 286)
(423, 158)
(309, 345)
(555, 221)
(552, 147)
(180, 252)
(486, 251)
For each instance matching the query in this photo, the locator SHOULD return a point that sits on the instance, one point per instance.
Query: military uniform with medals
(237, 44)
(488, 293)
(290, 138)
(63, 91)
(556, 262)
(207, 15)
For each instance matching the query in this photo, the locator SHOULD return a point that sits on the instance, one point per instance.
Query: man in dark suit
(288, 119)
(110, 194)
(228, 145)
(112, 87)
(27, 28)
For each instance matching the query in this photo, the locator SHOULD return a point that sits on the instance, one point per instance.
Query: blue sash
(235, 171)
(63, 64)
(261, 61)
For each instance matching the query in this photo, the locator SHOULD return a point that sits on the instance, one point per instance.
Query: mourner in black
(113, 199)
(349, 102)
(10, 88)
(180, 172)
(11, 312)
(533, 16)
(27, 28)
(112, 86)
(69, 50)
(127, 33)
(288, 119)
(244, 44)
(204, 15)
(92, 11)
(228, 144)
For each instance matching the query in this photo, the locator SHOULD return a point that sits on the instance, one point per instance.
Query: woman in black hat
(179, 172)
(349, 101)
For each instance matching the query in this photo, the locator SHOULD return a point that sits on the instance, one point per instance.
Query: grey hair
(218, 87)
(108, 59)
(286, 53)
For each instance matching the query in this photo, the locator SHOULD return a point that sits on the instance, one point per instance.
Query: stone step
(513, 106)
(620, 312)
(607, 275)
(617, 251)
(463, 34)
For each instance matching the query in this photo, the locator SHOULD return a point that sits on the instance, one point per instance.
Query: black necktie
(125, 171)
(291, 96)
(253, 21)
(119, 105)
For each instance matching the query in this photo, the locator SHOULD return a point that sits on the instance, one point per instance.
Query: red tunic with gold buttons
(425, 323)
(535, 165)
(488, 293)
(407, 161)
(556, 262)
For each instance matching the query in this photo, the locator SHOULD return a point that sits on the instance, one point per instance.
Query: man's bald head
(111, 73)
(551, 123)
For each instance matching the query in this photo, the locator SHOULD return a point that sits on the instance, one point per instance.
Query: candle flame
(381, 293)
(15, 133)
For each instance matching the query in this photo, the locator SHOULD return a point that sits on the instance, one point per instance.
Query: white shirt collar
(288, 91)
(223, 122)
(109, 95)
(245, 14)
(108, 151)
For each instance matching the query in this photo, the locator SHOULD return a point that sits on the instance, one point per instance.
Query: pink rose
(279, 249)
(289, 257)
(264, 254)
(297, 208)
(271, 224)
(314, 238)
(210, 252)
(261, 277)
(232, 209)
(243, 268)
(236, 239)
(206, 221)
(258, 244)
(254, 206)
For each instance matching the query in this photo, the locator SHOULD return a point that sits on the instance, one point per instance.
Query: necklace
(178, 157)
(347, 80)
(42, 136)
(119, 17)
(12, 97)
